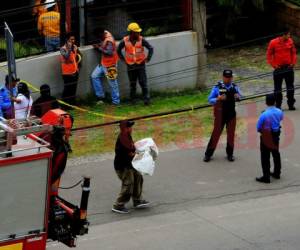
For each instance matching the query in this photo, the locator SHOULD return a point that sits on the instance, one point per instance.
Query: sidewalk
(269, 223)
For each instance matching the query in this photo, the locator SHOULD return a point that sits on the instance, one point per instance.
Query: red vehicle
(31, 212)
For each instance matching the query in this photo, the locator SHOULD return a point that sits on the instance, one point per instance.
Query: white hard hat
(49, 3)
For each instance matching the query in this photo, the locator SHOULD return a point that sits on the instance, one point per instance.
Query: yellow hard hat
(134, 27)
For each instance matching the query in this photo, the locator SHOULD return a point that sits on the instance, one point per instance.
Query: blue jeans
(96, 76)
(52, 43)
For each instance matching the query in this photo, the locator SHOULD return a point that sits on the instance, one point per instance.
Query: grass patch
(178, 129)
(252, 57)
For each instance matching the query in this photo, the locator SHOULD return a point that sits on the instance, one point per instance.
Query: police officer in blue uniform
(6, 96)
(268, 126)
(223, 97)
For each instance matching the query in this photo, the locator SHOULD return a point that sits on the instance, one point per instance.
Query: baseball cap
(227, 73)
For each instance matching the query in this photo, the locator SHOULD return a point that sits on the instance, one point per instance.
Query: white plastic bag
(144, 160)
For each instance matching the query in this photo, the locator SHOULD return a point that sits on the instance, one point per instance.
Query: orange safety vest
(134, 54)
(69, 66)
(106, 60)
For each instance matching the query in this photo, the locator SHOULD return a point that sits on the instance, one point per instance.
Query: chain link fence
(154, 16)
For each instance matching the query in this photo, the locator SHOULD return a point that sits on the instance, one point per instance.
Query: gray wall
(173, 66)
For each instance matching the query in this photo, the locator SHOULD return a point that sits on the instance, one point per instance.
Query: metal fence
(83, 17)
(23, 22)
(154, 16)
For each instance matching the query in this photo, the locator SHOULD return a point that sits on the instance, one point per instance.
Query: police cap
(227, 73)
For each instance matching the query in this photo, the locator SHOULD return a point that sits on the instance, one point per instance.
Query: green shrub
(21, 49)
(297, 2)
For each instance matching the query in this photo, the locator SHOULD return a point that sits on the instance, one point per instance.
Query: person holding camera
(70, 58)
(223, 97)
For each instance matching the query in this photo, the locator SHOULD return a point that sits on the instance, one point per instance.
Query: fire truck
(33, 155)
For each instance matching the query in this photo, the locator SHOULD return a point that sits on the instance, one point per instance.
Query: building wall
(173, 66)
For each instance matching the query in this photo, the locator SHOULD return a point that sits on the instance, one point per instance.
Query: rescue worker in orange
(136, 59)
(38, 9)
(49, 26)
(281, 55)
(106, 67)
(70, 58)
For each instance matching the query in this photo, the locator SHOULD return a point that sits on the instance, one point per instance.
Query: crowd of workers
(281, 55)
(130, 50)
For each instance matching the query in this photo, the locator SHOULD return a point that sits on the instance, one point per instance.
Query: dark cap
(126, 124)
(13, 78)
(270, 99)
(227, 73)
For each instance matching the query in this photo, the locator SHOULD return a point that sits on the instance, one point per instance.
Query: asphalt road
(197, 205)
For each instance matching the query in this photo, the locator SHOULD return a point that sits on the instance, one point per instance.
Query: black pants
(138, 73)
(219, 125)
(70, 87)
(269, 144)
(286, 73)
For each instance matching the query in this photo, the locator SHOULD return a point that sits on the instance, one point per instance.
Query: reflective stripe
(112, 60)
(134, 54)
(69, 65)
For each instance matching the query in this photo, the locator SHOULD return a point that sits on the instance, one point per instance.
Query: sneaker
(230, 158)
(263, 179)
(100, 102)
(120, 209)
(292, 108)
(147, 102)
(117, 105)
(141, 204)
(206, 158)
(133, 102)
(275, 176)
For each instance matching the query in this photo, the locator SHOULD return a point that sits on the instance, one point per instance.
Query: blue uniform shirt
(270, 120)
(5, 102)
(212, 98)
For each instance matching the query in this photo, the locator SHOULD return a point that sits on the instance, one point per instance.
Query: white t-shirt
(22, 109)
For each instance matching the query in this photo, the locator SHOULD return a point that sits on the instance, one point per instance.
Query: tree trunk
(199, 26)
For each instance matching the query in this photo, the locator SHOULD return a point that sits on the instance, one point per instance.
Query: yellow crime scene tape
(31, 86)
(78, 108)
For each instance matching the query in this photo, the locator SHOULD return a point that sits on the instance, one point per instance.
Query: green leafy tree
(237, 5)
(238, 9)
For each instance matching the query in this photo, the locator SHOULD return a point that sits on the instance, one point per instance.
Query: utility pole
(11, 63)
(62, 22)
(199, 26)
(82, 24)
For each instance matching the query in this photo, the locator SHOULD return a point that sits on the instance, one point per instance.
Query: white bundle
(146, 154)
